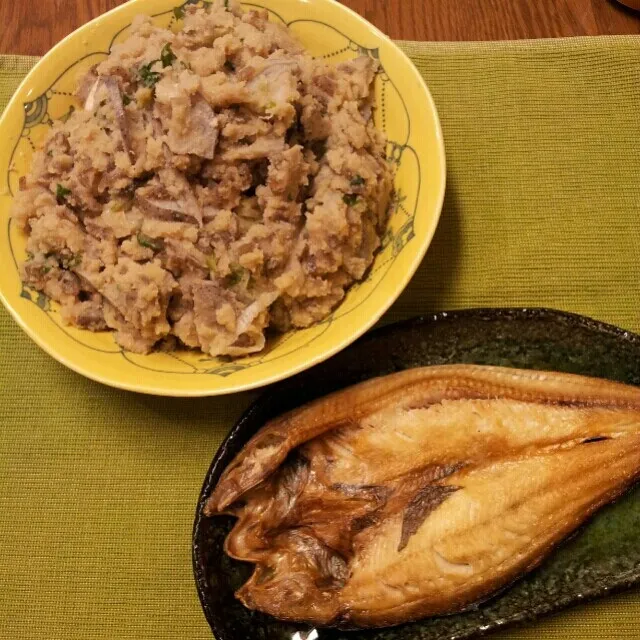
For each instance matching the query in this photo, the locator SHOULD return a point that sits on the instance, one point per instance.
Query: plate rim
(219, 461)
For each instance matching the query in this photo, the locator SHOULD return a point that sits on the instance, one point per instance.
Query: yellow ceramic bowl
(407, 114)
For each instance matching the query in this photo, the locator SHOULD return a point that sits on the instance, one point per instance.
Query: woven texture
(98, 487)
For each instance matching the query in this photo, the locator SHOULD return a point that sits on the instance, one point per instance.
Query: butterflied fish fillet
(423, 492)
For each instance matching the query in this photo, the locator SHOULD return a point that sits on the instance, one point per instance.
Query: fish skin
(424, 492)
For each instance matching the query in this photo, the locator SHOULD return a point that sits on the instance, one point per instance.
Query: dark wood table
(34, 27)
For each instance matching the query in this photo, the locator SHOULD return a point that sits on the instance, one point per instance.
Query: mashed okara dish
(217, 182)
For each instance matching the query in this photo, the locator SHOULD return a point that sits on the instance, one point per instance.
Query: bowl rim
(113, 381)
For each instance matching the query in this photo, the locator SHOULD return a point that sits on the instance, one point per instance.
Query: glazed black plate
(603, 557)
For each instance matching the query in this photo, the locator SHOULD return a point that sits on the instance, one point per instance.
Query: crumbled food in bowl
(218, 182)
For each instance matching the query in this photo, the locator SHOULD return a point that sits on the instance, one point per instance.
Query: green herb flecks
(179, 12)
(72, 261)
(350, 199)
(357, 181)
(62, 193)
(167, 57)
(126, 100)
(236, 276)
(150, 243)
(148, 77)
(226, 4)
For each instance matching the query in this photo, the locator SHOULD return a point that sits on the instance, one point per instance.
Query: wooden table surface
(34, 27)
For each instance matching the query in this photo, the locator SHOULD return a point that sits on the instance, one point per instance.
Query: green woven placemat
(98, 487)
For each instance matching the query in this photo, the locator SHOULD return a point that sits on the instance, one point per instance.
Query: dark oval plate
(603, 557)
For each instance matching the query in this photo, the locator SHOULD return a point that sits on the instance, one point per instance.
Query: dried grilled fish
(424, 492)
